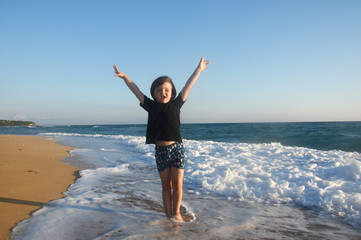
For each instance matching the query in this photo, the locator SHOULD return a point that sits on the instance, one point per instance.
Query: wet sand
(31, 175)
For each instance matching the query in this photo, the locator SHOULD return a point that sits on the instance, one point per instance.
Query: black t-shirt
(163, 120)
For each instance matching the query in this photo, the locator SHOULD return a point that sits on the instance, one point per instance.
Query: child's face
(163, 93)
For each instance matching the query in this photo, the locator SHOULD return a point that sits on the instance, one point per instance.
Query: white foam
(272, 173)
(262, 173)
(266, 173)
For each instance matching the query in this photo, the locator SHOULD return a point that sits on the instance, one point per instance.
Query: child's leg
(177, 183)
(165, 177)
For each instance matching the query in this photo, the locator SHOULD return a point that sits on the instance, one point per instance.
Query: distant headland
(10, 123)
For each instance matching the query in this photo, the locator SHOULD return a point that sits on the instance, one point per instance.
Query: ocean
(242, 181)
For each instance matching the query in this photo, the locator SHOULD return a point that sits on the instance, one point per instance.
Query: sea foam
(272, 173)
(262, 173)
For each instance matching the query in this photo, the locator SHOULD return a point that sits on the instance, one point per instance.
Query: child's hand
(203, 64)
(117, 73)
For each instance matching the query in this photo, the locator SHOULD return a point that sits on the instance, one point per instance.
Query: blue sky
(270, 61)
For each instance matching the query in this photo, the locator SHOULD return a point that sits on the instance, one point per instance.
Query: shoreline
(32, 174)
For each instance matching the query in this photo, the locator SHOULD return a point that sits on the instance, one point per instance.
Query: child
(163, 130)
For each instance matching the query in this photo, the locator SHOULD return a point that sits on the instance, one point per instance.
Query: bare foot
(177, 218)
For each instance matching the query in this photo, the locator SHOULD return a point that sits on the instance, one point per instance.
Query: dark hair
(159, 82)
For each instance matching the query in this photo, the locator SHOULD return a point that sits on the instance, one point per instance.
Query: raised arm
(131, 85)
(193, 78)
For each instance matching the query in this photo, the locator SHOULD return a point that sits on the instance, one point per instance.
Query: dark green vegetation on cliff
(10, 123)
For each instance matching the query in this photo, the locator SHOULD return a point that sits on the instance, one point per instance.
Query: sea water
(245, 181)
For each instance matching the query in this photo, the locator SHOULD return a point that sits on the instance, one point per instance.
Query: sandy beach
(31, 175)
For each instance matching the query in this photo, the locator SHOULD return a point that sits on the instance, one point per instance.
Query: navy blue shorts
(169, 156)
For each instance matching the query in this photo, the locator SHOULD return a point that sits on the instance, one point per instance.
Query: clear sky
(270, 61)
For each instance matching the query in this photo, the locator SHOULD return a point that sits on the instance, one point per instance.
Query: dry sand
(31, 175)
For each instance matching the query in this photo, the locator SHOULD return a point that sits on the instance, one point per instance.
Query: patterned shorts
(169, 156)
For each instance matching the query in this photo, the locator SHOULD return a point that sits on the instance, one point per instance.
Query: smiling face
(163, 93)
